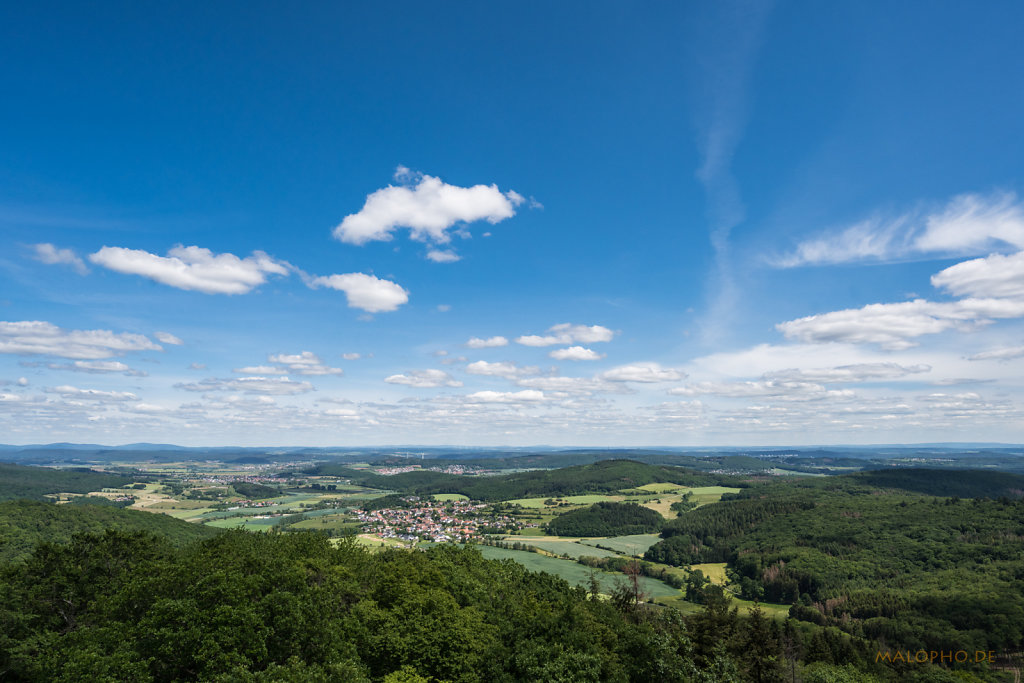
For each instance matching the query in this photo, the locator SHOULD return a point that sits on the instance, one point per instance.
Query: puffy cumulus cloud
(51, 255)
(490, 342)
(365, 292)
(524, 396)
(968, 224)
(194, 268)
(995, 276)
(1006, 353)
(858, 372)
(424, 379)
(443, 256)
(642, 372)
(36, 337)
(427, 206)
(304, 363)
(280, 386)
(506, 369)
(70, 392)
(576, 353)
(567, 333)
(168, 338)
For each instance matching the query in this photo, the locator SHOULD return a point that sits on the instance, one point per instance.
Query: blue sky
(686, 224)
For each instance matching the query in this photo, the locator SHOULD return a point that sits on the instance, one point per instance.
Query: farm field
(538, 503)
(575, 573)
(447, 497)
(636, 544)
(570, 548)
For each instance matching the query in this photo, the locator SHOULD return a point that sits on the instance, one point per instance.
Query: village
(437, 521)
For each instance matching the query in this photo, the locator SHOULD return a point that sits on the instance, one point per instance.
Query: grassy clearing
(713, 570)
(663, 487)
(538, 503)
(247, 523)
(637, 544)
(573, 550)
(575, 573)
(326, 523)
(178, 505)
(448, 497)
(702, 495)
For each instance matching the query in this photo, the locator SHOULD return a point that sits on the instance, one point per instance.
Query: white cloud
(1008, 353)
(506, 369)
(260, 370)
(197, 366)
(351, 356)
(427, 206)
(168, 338)
(443, 308)
(443, 256)
(70, 392)
(642, 372)
(567, 333)
(281, 386)
(49, 254)
(790, 391)
(524, 396)
(98, 367)
(194, 268)
(571, 385)
(968, 224)
(858, 372)
(893, 326)
(576, 353)
(490, 342)
(994, 276)
(36, 337)
(424, 379)
(365, 292)
(304, 363)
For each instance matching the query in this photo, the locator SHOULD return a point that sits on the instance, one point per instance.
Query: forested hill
(917, 570)
(600, 477)
(24, 523)
(21, 481)
(960, 483)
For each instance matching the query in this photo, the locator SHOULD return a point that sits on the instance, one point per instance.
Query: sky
(511, 224)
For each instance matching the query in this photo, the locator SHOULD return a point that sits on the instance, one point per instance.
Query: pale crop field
(636, 544)
(448, 497)
(574, 572)
(538, 503)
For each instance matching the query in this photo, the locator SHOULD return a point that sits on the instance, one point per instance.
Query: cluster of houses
(441, 522)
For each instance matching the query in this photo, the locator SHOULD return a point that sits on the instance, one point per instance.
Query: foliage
(21, 481)
(254, 491)
(607, 519)
(24, 524)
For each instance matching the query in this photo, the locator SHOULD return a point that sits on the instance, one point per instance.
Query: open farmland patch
(575, 573)
(635, 544)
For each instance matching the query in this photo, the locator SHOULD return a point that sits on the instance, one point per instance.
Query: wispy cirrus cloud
(51, 255)
(967, 225)
(994, 287)
(37, 337)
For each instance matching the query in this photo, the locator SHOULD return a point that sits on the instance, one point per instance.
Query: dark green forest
(911, 570)
(20, 481)
(24, 524)
(290, 607)
(607, 519)
(602, 477)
